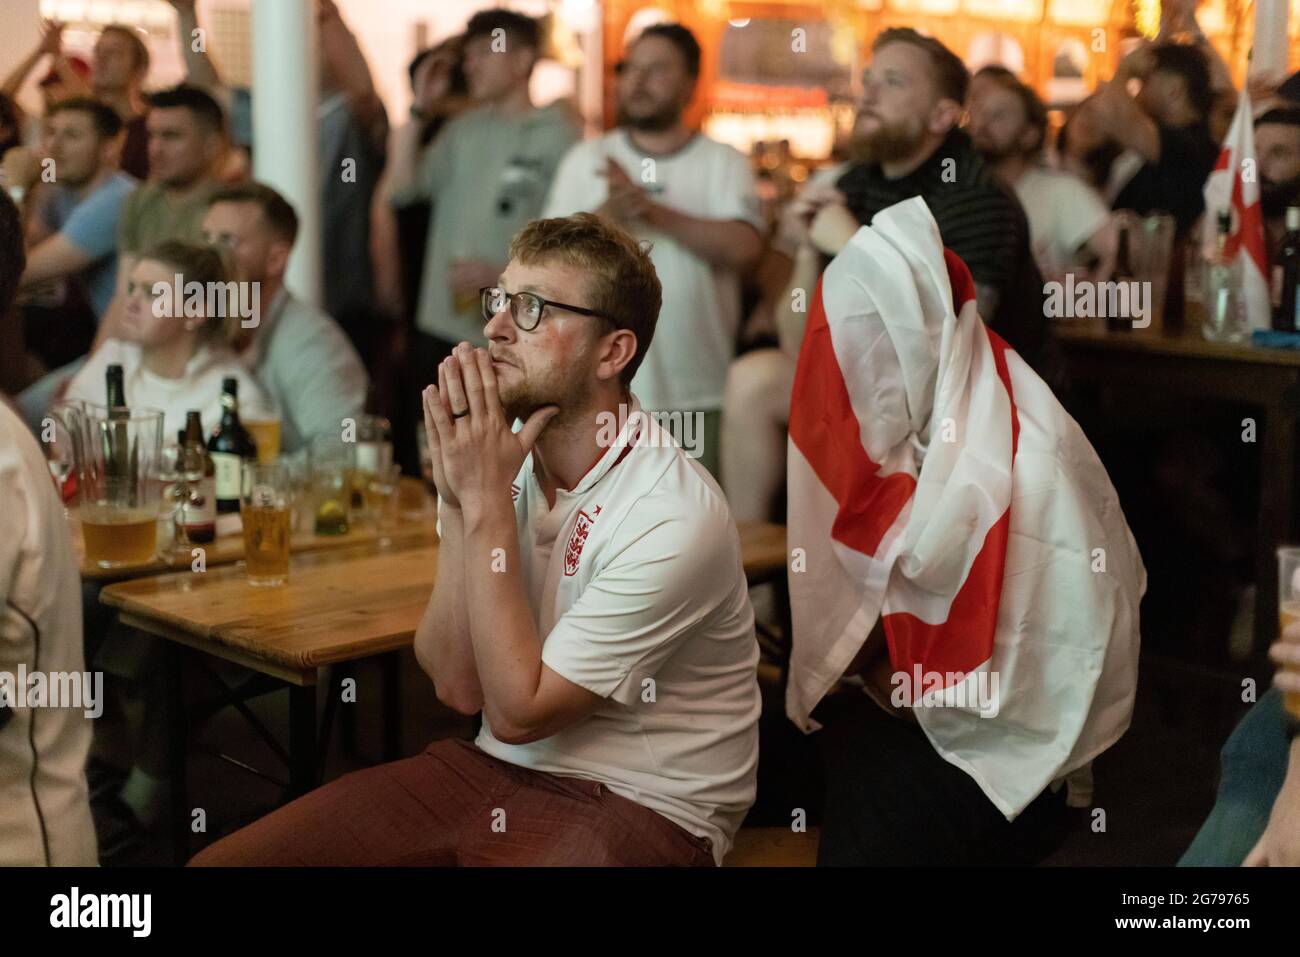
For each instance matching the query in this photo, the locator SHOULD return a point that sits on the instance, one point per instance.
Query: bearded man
(907, 143)
(1277, 144)
(694, 199)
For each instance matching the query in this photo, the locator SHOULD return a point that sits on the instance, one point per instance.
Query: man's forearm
(14, 81)
(199, 68)
(350, 70)
(506, 644)
(442, 641)
(790, 324)
(1129, 125)
(729, 243)
(403, 160)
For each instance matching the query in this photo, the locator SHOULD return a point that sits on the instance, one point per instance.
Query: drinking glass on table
(1288, 597)
(374, 454)
(332, 463)
(1153, 244)
(383, 501)
(120, 485)
(266, 436)
(374, 443)
(265, 504)
(63, 442)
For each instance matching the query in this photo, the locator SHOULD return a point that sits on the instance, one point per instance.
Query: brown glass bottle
(197, 519)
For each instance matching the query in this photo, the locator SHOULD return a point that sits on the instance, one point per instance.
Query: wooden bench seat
(773, 847)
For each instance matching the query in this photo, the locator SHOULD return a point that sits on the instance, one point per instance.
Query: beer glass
(265, 504)
(1153, 243)
(1288, 597)
(374, 455)
(120, 485)
(266, 435)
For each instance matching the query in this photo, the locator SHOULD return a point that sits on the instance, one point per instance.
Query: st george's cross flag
(1233, 185)
(936, 484)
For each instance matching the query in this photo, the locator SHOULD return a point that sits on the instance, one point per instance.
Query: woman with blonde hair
(176, 345)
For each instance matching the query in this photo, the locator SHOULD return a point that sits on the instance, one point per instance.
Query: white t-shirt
(199, 388)
(636, 580)
(695, 339)
(44, 801)
(1063, 213)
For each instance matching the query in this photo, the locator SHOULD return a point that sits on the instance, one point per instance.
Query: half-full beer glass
(119, 484)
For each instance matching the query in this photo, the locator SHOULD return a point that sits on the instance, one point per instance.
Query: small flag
(1234, 185)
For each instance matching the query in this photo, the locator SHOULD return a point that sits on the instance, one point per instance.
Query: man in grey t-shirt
(487, 175)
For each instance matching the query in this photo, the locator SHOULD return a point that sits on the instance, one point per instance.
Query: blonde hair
(207, 265)
(622, 284)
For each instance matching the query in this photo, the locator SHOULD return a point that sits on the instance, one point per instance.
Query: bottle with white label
(197, 519)
(230, 447)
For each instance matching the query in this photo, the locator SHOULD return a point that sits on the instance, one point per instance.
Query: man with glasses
(695, 199)
(590, 601)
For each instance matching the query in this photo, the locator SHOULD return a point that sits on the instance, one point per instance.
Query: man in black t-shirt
(1164, 130)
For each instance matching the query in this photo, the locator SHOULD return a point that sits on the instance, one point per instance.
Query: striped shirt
(979, 219)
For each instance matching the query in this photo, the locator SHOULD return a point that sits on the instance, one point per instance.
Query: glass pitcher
(119, 482)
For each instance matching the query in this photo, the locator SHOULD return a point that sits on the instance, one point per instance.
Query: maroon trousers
(455, 805)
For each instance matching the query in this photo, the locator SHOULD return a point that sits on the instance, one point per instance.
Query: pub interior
(743, 433)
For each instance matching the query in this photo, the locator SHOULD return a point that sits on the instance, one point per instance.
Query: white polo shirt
(44, 802)
(636, 580)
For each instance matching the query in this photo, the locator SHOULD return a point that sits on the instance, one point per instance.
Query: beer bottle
(116, 440)
(1286, 273)
(198, 513)
(1123, 274)
(230, 446)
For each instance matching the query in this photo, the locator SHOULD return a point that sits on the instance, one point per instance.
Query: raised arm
(51, 42)
(199, 68)
(346, 66)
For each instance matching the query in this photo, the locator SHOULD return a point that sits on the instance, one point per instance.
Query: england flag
(1234, 185)
(935, 482)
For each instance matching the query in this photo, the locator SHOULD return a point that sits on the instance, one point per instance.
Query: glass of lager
(265, 507)
(1288, 597)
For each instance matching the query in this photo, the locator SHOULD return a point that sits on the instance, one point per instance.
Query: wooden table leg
(391, 664)
(177, 732)
(1276, 515)
(304, 770)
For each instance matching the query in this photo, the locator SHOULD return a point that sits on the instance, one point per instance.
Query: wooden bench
(773, 847)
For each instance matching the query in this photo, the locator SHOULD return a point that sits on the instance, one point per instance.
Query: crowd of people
(485, 263)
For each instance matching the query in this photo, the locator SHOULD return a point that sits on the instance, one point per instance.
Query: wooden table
(339, 606)
(1181, 360)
